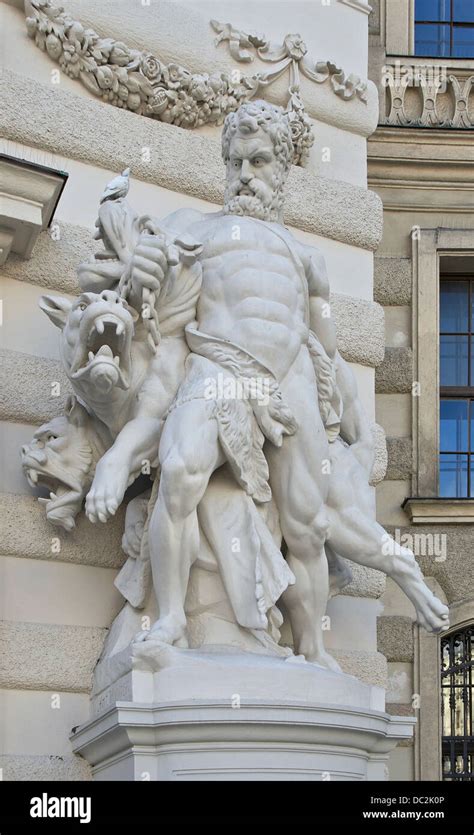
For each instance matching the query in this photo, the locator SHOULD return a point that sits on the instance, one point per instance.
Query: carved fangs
(41, 478)
(107, 342)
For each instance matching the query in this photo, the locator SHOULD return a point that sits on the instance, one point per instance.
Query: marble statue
(202, 344)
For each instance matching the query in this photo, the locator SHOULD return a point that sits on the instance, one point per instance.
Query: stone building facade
(68, 140)
(421, 164)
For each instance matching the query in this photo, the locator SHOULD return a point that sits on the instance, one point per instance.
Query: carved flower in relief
(295, 47)
(76, 32)
(185, 111)
(107, 79)
(296, 128)
(70, 58)
(229, 103)
(218, 83)
(54, 47)
(178, 77)
(150, 67)
(119, 54)
(38, 29)
(199, 88)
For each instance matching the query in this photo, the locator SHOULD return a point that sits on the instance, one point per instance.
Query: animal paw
(106, 494)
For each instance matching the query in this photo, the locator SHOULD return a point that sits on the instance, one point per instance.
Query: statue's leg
(189, 454)
(299, 486)
(353, 534)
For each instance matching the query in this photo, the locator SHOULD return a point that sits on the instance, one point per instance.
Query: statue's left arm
(135, 448)
(354, 426)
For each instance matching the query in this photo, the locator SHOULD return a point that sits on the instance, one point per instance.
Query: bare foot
(167, 630)
(324, 659)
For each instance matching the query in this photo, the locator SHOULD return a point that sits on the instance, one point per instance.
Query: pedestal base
(170, 714)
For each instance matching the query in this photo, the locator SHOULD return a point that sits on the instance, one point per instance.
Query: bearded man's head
(257, 149)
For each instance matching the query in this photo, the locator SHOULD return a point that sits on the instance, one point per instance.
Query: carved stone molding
(434, 96)
(439, 511)
(138, 81)
(29, 195)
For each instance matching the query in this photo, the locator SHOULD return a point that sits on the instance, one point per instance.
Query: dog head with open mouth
(61, 457)
(96, 339)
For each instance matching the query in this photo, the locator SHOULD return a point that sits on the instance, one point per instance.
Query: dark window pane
(454, 425)
(463, 42)
(454, 360)
(433, 10)
(432, 39)
(464, 11)
(472, 360)
(453, 476)
(472, 491)
(454, 306)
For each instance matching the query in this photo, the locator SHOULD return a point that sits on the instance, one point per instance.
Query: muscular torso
(253, 292)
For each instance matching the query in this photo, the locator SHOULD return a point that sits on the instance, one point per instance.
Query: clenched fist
(149, 264)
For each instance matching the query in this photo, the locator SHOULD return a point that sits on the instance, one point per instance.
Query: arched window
(457, 683)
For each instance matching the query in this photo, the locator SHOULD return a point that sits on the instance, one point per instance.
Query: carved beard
(264, 204)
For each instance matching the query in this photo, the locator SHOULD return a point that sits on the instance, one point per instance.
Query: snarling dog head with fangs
(97, 331)
(61, 457)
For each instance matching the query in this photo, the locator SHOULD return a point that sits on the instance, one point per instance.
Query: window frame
(467, 668)
(427, 683)
(461, 392)
(453, 24)
(398, 28)
(428, 248)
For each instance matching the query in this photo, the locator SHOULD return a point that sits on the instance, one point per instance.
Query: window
(457, 689)
(444, 28)
(456, 363)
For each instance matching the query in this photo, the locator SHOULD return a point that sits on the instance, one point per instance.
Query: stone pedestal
(163, 713)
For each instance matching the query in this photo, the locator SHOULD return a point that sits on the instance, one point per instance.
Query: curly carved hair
(252, 116)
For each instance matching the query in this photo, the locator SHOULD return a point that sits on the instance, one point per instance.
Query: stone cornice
(439, 511)
(427, 169)
(29, 195)
(180, 160)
